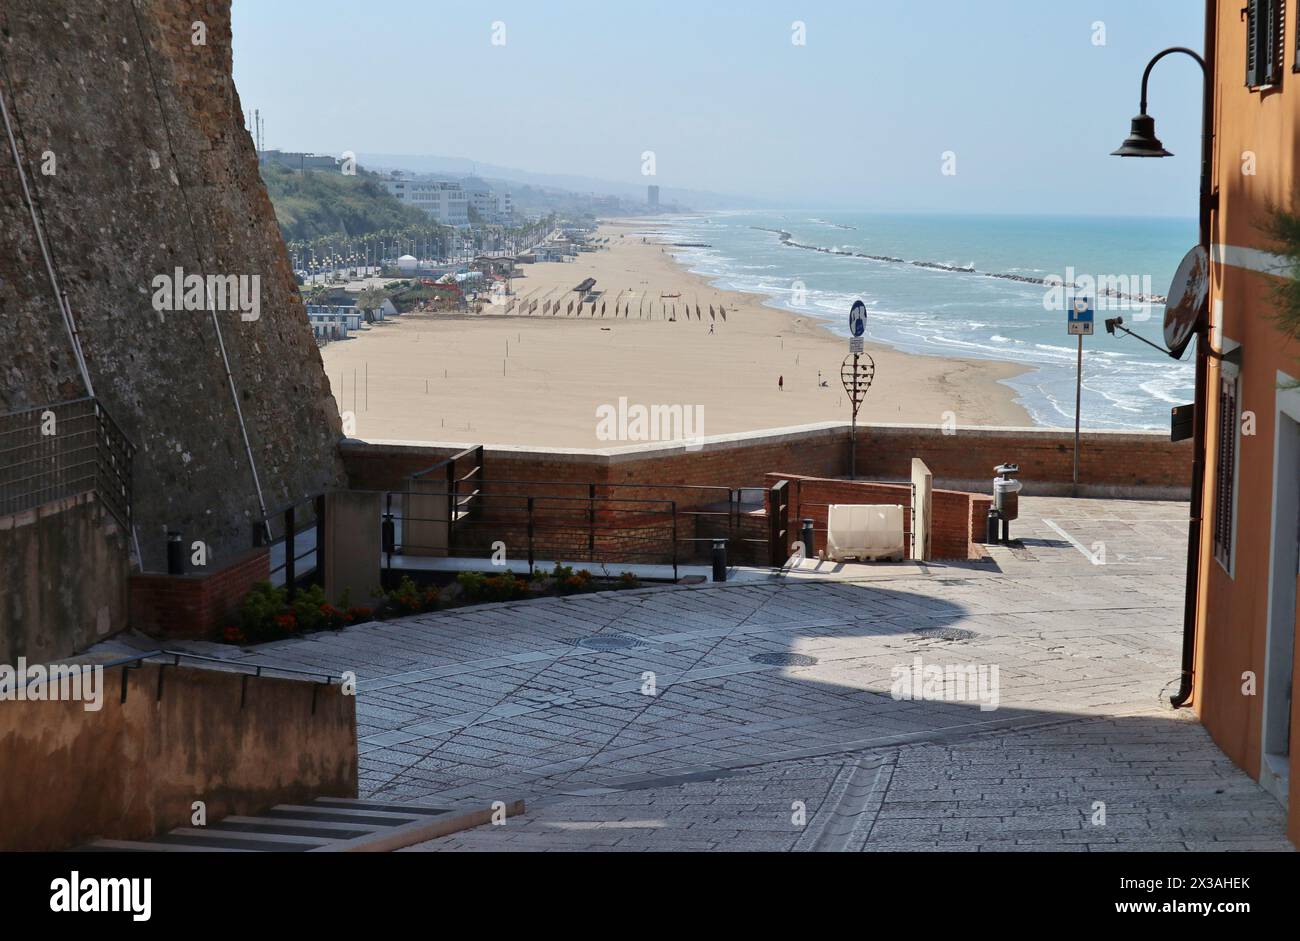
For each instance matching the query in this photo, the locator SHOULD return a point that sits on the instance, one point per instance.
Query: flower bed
(266, 613)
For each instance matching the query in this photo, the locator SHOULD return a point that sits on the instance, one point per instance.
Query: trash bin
(1006, 497)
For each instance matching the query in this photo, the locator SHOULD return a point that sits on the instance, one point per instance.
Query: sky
(1030, 96)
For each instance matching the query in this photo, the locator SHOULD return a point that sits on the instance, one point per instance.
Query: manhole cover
(784, 659)
(609, 642)
(944, 633)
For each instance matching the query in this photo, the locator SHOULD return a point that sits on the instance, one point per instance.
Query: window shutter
(1272, 40)
(1252, 43)
(1265, 38)
(1225, 471)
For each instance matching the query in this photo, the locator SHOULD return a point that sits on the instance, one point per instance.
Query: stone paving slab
(1075, 633)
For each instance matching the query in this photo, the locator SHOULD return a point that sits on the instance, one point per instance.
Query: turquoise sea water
(958, 313)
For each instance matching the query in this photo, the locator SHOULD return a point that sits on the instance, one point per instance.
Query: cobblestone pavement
(760, 716)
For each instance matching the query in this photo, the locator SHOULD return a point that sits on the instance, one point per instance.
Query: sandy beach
(540, 379)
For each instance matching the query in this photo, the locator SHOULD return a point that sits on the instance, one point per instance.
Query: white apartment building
(490, 206)
(446, 202)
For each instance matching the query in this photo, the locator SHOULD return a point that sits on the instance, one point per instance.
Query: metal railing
(55, 451)
(604, 523)
(257, 671)
(461, 484)
(283, 531)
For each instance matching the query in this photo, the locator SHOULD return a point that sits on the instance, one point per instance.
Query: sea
(972, 286)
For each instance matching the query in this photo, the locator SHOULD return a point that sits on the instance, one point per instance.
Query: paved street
(775, 714)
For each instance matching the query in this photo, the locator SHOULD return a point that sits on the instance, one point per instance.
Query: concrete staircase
(327, 824)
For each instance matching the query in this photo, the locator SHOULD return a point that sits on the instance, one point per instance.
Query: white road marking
(1074, 542)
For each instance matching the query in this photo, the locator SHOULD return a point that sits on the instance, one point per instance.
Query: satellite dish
(1188, 294)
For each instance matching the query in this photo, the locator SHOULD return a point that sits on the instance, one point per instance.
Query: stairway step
(241, 842)
(326, 831)
(338, 815)
(202, 835)
(153, 846)
(345, 803)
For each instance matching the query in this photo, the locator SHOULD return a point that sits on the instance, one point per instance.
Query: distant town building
(652, 196)
(446, 202)
(333, 322)
(489, 205)
(297, 160)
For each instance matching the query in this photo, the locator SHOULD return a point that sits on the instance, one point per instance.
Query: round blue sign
(858, 319)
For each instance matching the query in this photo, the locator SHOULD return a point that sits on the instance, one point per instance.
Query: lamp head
(1142, 140)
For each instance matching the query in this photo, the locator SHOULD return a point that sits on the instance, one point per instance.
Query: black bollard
(719, 560)
(807, 535)
(991, 527)
(175, 554)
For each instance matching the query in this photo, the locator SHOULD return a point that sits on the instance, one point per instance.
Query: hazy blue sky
(858, 118)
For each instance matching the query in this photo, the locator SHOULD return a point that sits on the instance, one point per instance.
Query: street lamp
(1142, 142)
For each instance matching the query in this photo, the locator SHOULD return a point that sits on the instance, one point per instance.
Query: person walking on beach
(780, 383)
(710, 328)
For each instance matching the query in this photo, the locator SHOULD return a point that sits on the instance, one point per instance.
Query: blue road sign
(857, 319)
(1079, 317)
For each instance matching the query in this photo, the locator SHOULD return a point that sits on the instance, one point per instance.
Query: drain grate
(784, 659)
(943, 633)
(608, 642)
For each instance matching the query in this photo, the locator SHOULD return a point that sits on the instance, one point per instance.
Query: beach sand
(496, 378)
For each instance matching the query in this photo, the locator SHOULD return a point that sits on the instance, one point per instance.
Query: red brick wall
(1137, 464)
(198, 604)
(954, 513)
(1123, 464)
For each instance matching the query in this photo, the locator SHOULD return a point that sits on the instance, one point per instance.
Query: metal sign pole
(1078, 399)
(853, 428)
(1078, 323)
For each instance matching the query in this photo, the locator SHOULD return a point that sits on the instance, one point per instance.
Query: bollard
(808, 539)
(991, 527)
(389, 533)
(719, 560)
(175, 553)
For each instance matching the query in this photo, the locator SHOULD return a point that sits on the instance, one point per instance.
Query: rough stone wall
(154, 171)
(129, 770)
(49, 608)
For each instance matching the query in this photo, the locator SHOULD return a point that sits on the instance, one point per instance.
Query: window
(1225, 475)
(1265, 21)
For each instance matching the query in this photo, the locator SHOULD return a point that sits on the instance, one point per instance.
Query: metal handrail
(445, 461)
(245, 670)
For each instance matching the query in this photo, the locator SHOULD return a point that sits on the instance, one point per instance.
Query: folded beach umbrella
(711, 317)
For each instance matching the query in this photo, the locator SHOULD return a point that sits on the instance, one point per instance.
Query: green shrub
(258, 613)
(407, 598)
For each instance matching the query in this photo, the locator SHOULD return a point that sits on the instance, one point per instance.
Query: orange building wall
(1234, 609)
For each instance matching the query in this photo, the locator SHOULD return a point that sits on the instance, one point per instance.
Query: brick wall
(1111, 464)
(1134, 465)
(1119, 464)
(954, 513)
(196, 604)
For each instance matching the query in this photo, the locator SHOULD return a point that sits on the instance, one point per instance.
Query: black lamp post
(1142, 142)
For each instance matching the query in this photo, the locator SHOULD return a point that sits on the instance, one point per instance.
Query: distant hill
(314, 204)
